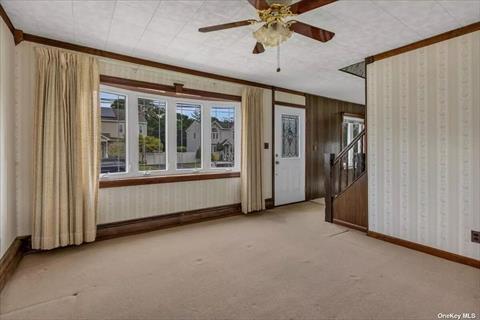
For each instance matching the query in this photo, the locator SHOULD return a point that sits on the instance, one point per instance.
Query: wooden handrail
(350, 146)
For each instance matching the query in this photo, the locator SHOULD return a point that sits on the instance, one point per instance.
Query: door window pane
(113, 136)
(189, 136)
(151, 135)
(290, 136)
(223, 137)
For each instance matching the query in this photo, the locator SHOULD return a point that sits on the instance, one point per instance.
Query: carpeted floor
(284, 264)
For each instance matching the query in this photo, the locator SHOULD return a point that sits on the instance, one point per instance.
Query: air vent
(357, 69)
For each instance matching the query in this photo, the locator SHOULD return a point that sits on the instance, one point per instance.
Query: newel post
(328, 169)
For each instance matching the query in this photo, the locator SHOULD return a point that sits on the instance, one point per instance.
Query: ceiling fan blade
(259, 4)
(259, 48)
(226, 26)
(307, 5)
(312, 32)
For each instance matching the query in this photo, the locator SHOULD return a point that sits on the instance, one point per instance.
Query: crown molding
(7, 20)
(425, 42)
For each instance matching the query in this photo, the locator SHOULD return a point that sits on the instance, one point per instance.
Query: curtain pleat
(252, 194)
(66, 155)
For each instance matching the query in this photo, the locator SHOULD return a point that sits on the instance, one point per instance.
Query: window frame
(132, 132)
(237, 135)
(202, 141)
(147, 96)
(118, 91)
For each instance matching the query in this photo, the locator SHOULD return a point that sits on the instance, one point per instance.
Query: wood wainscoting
(350, 208)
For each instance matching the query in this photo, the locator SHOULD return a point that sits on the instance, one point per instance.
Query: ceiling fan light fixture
(272, 35)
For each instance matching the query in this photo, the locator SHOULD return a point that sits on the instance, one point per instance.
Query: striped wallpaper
(424, 145)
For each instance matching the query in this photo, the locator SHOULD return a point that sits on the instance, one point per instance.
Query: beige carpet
(284, 264)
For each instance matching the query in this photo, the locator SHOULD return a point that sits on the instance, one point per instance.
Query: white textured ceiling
(166, 31)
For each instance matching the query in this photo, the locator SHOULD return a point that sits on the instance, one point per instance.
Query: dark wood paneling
(177, 88)
(426, 249)
(118, 229)
(323, 135)
(126, 182)
(10, 260)
(351, 207)
(426, 42)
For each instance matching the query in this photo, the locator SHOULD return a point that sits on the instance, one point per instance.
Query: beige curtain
(66, 155)
(252, 151)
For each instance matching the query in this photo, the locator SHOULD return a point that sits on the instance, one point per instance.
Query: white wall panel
(289, 97)
(126, 203)
(8, 222)
(118, 204)
(424, 145)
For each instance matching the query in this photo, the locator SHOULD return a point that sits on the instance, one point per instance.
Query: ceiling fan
(277, 23)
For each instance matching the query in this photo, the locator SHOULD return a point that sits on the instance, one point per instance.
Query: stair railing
(343, 170)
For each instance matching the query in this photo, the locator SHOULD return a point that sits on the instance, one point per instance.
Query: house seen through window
(145, 134)
(113, 139)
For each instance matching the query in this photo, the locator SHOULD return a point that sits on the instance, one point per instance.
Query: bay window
(144, 134)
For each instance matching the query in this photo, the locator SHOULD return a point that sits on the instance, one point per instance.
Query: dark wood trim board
(426, 249)
(127, 182)
(151, 87)
(11, 259)
(426, 42)
(273, 146)
(269, 204)
(7, 20)
(123, 228)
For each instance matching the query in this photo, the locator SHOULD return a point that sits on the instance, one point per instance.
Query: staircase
(346, 185)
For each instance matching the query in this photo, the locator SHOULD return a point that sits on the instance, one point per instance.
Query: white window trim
(114, 175)
(132, 129)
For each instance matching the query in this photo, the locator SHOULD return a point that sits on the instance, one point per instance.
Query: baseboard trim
(11, 259)
(269, 203)
(130, 227)
(426, 249)
(349, 225)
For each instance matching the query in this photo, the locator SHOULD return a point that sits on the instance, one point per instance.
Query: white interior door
(289, 159)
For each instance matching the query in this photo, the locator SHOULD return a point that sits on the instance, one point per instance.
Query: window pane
(223, 137)
(113, 137)
(289, 136)
(151, 135)
(189, 136)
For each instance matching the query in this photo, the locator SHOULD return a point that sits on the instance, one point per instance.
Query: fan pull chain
(278, 57)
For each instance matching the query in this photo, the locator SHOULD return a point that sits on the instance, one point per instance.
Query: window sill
(137, 181)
